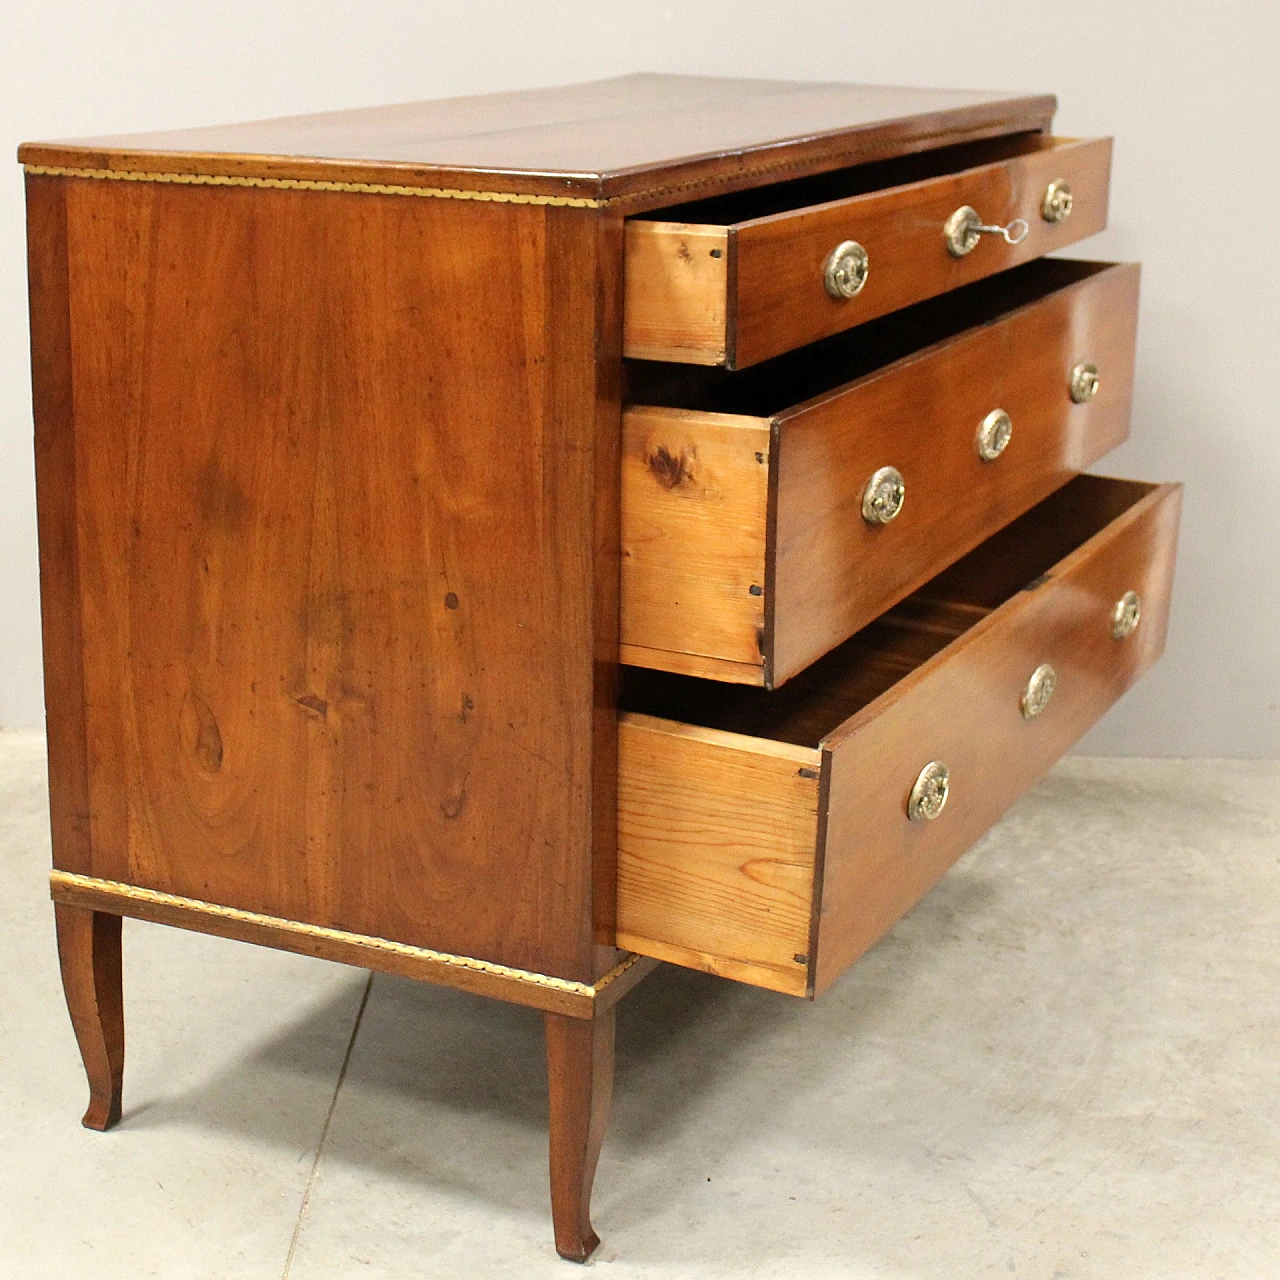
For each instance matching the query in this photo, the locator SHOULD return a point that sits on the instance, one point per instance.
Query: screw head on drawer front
(1035, 697)
(845, 270)
(929, 793)
(884, 495)
(1084, 382)
(1057, 202)
(994, 435)
(1125, 616)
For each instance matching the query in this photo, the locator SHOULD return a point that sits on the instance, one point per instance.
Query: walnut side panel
(717, 835)
(54, 410)
(877, 862)
(338, 507)
(695, 498)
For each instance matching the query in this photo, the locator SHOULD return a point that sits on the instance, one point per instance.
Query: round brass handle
(929, 792)
(1126, 614)
(1057, 202)
(965, 228)
(845, 270)
(1084, 382)
(884, 495)
(994, 434)
(1035, 697)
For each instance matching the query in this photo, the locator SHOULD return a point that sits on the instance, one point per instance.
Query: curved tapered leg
(580, 1072)
(89, 950)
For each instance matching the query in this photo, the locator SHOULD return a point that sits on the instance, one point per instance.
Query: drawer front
(746, 555)
(964, 708)
(779, 864)
(833, 571)
(740, 294)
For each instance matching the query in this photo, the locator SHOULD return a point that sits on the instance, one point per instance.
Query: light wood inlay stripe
(310, 184)
(62, 880)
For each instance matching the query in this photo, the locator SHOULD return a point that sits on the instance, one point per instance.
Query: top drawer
(737, 279)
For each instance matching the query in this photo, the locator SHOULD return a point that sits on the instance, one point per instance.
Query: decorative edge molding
(309, 184)
(133, 893)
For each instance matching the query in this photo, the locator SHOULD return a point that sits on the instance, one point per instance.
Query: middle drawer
(769, 514)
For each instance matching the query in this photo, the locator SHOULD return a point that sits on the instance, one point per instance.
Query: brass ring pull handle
(994, 433)
(845, 270)
(965, 228)
(1040, 688)
(1084, 383)
(1126, 615)
(929, 792)
(883, 496)
(1057, 202)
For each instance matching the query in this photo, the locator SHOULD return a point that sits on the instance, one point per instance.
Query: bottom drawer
(773, 837)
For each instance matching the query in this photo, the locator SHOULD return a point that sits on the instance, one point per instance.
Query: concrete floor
(1065, 1064)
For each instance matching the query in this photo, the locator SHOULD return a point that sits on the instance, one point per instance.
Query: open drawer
(738, 278)
(773, 837)
(747, 549)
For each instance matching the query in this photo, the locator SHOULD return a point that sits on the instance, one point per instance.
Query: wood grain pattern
(777, 301)
(634, 136)
(702, 809)
(89, 954)
(606, 535)
(694, 502)
(878, 863)
(781, 303)
(580, 1080)
(705, 879)
(56, 489)
(834, 573)
(691, 664)
(302, 422)
(692, 550)
(677, 292)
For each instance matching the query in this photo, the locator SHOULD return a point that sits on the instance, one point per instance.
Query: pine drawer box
(513, 541)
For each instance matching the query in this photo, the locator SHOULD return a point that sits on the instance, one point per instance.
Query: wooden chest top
(636, 135)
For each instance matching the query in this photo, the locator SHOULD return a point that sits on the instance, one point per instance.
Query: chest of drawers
(517, 540)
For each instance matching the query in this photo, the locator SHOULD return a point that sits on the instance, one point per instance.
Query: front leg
(89, 950)
(580, 1073)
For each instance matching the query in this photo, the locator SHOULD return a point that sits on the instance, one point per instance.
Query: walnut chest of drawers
(513, 541)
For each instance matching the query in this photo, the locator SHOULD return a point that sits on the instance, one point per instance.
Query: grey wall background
(1187, 90)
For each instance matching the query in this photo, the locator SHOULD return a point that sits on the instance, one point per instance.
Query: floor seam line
(324, 1132)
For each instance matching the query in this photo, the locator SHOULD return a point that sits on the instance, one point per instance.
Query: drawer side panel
(695, 498)
(676, 293)
(716, 847)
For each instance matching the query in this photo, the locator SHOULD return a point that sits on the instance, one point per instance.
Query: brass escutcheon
(1125, 616)
(1035, 697)
(965, 228)
(1057, 202)
(1084, 382)
(994, 435)
(884, 495)
(845, 270)
(929, 792)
